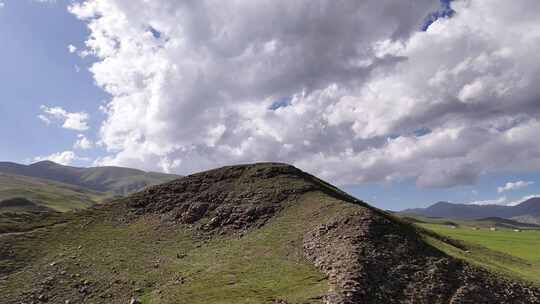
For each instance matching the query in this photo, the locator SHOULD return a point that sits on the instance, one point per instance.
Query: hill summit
(259, 233)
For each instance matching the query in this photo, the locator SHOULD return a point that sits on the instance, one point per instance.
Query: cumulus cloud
(83, 143)
(63, 158)
(203, 83)
(75, 121)
(514, 186)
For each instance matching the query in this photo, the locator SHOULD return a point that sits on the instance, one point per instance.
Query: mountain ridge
(530, 207)
(117, 180)
(47, 193)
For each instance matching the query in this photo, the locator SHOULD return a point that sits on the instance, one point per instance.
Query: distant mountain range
(527, 212)
(64, 188)
(15, 189)
(117, 180)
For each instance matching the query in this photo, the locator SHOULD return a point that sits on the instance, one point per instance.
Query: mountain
(506, 223)
(461, 211)
(260, 233)
(116, 180)
(528, 208)
(46, 194)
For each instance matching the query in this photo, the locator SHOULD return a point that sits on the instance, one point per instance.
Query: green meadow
(511, 253)
(55, 195)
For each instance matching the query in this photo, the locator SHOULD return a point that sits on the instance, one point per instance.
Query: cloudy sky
(402, 103)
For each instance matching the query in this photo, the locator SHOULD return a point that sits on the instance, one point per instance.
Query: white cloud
(75, 121)
(84, 53)
(523, 199)
(499, 201)
(63, 158)
(514, 186)
(45, 1)
(503, 201)
(72, 49)
(194, 83)
(2, 4)
(83, 143)
(45, 119)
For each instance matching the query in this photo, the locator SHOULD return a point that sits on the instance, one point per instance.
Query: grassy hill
(115, 180)
(58, 196)
(19, 204)
(65, 188)
(263, 233)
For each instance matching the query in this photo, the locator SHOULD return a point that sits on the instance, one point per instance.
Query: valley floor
(511, 253)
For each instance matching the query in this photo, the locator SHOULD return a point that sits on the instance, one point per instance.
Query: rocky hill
(262, 233)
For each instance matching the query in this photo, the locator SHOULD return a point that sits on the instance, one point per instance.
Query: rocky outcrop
(372, 259)
(229, 198)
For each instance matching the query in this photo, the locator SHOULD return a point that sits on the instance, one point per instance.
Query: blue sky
(38, 69)
(396, 196)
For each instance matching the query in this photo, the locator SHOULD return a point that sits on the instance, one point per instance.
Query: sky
(439, 102)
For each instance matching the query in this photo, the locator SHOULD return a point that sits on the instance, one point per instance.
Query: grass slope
(515, 254)
(116, 180)
(58, 196)
(121, 181)
(163, 265)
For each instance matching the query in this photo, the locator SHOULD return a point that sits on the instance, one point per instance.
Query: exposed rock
(43, 298)
(370, 259)
(134, 301)
(233, 198)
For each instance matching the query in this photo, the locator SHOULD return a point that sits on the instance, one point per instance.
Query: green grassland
(511, 253)
(163, 264)
(121, 181)
(58, 196)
